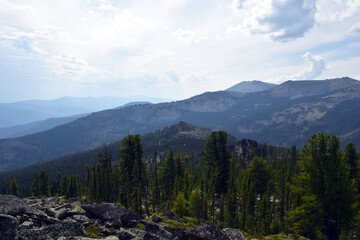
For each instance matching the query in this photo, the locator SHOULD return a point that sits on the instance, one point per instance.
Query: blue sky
(171, 49)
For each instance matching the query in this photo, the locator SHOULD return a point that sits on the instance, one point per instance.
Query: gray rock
(8, 227)
(234, 234)
(26, 225)
(172, 216)
(68, 205)
(124, 234)
(156, 230)
(137, 232)
(66, 214)
(156, 219)
(120, 217)
(39, 217)
(81, 218)
(33, 234)
(64, 229)
(206, 232)
(11, 205)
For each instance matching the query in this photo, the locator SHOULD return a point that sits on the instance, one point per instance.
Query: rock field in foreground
(54, 219)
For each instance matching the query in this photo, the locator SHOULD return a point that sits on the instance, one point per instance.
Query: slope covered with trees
(313, 193)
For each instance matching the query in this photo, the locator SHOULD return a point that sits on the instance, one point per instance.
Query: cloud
(316, 68)
(237, 4)
(173, 76)
(355, 29)
(186, 36)
(64, 65)
(337, 10)
(281, 20)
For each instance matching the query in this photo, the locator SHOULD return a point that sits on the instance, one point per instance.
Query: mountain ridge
(251, 86)
(265, 116)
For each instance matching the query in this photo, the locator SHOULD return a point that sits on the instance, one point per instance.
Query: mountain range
(284, 115)
(29, 111)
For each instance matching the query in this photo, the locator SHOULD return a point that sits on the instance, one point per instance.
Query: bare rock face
(11, 205)
(8, 227)
(234, 234)
(120, 217)
(156, 230)
(206, 232)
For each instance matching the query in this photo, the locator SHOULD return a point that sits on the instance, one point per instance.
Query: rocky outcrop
(54, 219)
(234, 234)
(206, 232)
(120, 217)
(8, 227)
(11, 205)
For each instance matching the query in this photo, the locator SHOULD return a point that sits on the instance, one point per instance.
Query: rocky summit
(54, 218)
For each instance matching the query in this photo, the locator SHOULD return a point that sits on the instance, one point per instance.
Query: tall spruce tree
(328, 192)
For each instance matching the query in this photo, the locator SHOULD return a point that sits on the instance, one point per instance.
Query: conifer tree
(14, 187)
(326, 188)
(180, 205)
(167, 177)
(71, 190)
(196, 204)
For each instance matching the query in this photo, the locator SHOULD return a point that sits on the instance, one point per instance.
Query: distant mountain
(285, 115)
(18, 113)
(251, 86)
(133, 104)
(183, 137)
(38, 126)
(34, 127)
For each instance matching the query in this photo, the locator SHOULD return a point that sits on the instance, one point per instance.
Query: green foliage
(217, 158)
(92, 231)
(196, 204)
(180, 205)
(14, 187)
(256, 191)
(328, 193)
(40, 186)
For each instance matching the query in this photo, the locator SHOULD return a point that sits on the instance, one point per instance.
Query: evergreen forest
(312, 193)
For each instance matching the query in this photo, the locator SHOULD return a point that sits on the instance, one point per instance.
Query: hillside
(183, 137)
(34, 127)
(251, 86)
(23, 112)
(285, 115)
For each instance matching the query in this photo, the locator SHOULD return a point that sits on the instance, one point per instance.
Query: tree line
(312, 193)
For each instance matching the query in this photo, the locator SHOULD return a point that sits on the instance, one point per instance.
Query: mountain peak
(251, 86)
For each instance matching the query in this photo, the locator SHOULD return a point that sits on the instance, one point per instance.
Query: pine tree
(14, 187)
(196, 204)
(71, 190)
(352, 159)
(327, 189)
(40, 186)
(167, 177)
(180, 205)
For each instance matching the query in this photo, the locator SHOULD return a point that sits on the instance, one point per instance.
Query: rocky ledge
(53, 218)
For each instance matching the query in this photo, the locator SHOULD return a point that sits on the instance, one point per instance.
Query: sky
(171, 49)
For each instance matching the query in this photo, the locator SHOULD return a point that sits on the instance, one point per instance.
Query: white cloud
(355, 29)
(337, 10)
(316, 66)
(237, 4)
(186, 36)
(281, 20)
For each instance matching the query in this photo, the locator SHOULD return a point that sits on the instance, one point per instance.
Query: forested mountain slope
(285, 115)
(183, 137)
